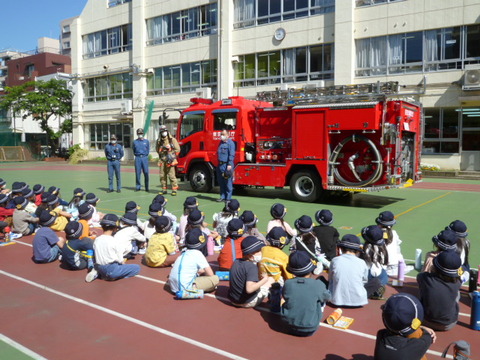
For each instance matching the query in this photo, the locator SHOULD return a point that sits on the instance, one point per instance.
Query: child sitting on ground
(132, 207)
(304, 296)
(46, 244)
(246, 289)
(191, 269)
(92, 200)
(3, 187)
(221, 219)
(232, 249)
(162, 201)
(306, 241)
(445, 240)
(30, 196)
(463, 246)
(62, 217)
(76, 201)
(38, 190)
(278, 212)
(274, 261)
(154, 210)
(440, 291)
(404, 337)
(23, 222)
(74, 252)
(189, 205)
(385, 221)
(128, 234)
(85, 212)
(196, 220)
(348, 275)
(376, 256)
(326, 234)
(56, 191)
(250, 221)
(162, 247)
(109, 254)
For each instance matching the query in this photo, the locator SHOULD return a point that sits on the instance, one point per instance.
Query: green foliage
(42, 100)
(77, 154)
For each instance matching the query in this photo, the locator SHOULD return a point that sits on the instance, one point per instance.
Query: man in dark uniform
(226, 155)
(141, 150)
(114, 152)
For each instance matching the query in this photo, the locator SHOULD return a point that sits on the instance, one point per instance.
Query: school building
(133, 60)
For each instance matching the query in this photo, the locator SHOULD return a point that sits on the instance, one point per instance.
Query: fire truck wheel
(305, 186)
(201, 178)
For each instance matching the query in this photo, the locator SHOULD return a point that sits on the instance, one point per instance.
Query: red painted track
(57, 327)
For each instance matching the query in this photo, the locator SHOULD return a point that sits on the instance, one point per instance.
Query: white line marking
(21, 348)
(127, 318)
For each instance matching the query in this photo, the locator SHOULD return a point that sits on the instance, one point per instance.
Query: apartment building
(134, 59)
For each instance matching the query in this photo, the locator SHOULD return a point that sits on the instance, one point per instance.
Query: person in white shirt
(129, 235)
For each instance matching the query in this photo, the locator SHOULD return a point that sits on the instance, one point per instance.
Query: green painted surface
(421, 213)
(8, 352)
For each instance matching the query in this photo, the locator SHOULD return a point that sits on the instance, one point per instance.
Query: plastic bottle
(275, 297)
(472, 281)
(90, 259)
(223, 275)
(475, 315)
(401, 271)
(210, 246)
(418, 259)
(186, 294)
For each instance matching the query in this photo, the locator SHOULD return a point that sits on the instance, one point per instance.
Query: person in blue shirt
(141, 150)
(226, 155)
(114, 152)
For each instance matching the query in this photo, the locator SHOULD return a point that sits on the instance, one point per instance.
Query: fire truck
(355, 138)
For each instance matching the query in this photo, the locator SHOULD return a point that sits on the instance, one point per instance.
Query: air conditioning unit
(471, 80)
(204, 93)
(126, 107)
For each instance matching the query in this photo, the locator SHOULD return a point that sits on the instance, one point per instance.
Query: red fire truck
(354, 138)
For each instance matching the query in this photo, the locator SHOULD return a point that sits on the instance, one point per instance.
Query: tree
(42, 100)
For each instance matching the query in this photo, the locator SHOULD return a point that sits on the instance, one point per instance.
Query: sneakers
(142, 251)
(92, 275)
(378, 295)
(14, 236)
(163, 192)
(174, 192)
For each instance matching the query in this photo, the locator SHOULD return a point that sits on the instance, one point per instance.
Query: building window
(308, 63)
(471, 129)
(182, 78)
(182, 25)
(257, 12)
(100, 134)
(361, 3)
(103, 88)
(442, 131)
(29, 69)
(66, 45)
(105, 42)
(66, 29)
(112, 3)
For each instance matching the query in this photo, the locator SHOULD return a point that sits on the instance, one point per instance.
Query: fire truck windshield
(192, 122)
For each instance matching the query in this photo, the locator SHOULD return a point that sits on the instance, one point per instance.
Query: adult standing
(167, 149)
(141, 150)
(226, 155)
(114, 153)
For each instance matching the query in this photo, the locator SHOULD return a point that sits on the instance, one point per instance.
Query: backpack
(461, 350)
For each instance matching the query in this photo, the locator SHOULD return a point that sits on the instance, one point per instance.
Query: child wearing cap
(129, 235)
(246, 289)
(76, 201)
(232, 248)
(163, 201)
(85, 212)
(56, 191)
(385, 221)
(376, 256)
(5, 214)
(278, 212)
(23, 222)
(62, 217)
(3, 187)
(403, 336)
(326, 234)
(97, 216)
(162, 247)
(307, 241)
(348, 274)
(440, 291)
(132, 207)
(463, 245)
(154, 210)
(304, 296)
(28, 194)
(274, 261)
(196, 220)
(221, 219)
(109, 254)
(189, 205)
(191, 269)
(46, 243)
(250, 221)
(74, 252)
(445, 240)
(38, 190)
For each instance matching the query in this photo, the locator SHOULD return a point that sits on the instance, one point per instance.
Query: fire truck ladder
(330, 94)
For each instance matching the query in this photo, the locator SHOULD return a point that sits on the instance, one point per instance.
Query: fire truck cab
(314, 141)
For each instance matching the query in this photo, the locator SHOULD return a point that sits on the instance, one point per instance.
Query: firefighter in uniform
(141, 150)
(167, 149)
(114, 152)
(226, 155)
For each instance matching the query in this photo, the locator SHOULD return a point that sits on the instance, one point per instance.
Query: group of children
(256, 263)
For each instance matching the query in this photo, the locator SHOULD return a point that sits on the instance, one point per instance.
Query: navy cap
(46, 219)
(155, 209)
(324, 217)
(38, 189)
(190, 202)
(51, 200)
(109, 220)
(351, 242)
(27, 192)
(3, 198)
(160, 199)
(18, 186)
(79, 192)
(277, 237)
(249, 219)
(163, 224)
(85, 211)
(402, 314)
(129, 218)
(448, 263)
(278, 211)
(386, 218)
(304, 224)
(299, 263)
(459, 227)
(54, 190)
(73, 230)
(195, 239)
(373, 235)
(251, 245)
(232, 205)
(131, 206)
(195, 217)
(20, 202)
(2, 182)
(235, 228)
(91, 198)
(446, 240)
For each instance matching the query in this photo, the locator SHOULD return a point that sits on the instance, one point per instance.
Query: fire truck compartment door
(309, 140)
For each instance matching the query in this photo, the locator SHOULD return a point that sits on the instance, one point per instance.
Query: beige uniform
(167, 149)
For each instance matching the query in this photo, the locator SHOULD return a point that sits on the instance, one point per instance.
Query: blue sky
(24, 21)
